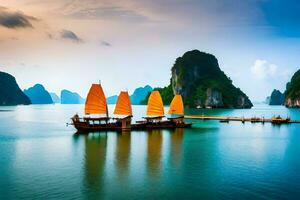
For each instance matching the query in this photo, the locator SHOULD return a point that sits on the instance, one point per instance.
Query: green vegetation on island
(197, 77)
(292, 93)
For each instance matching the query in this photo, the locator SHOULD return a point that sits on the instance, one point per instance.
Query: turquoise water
(41, 158)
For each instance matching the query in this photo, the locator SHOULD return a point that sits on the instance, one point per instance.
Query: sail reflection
(122, 154)
(176, 137)
(154, 151)
(95, 157)
(111, 156)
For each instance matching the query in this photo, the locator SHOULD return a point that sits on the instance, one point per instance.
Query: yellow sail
(123, 106)
(96, 102)
(155, 105)
(176, 106)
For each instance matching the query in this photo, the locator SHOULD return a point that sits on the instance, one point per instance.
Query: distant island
(10, 93)
(54, 97)
(38, 95)
(112, 99)
(197, 77)
(292, 93)
(136, 98)
(68, 97)
(276, 98)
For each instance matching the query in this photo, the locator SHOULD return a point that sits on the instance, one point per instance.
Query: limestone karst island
(149, 99)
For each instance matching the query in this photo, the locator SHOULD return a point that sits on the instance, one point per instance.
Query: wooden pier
(275, 120)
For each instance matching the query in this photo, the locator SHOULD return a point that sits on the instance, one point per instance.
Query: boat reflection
(176, 146)
(154, 152)
(110, 156)
(122, 154)
(94, 162)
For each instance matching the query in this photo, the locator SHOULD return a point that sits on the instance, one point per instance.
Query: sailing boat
(176, 112)
(124, 111)
(155, 108)
(176, 109)
(155, 113)
(96, 105)
(97, 119)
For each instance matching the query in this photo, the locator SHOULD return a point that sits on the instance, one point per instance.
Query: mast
(155, 105)
(96, 102)
(176, 106)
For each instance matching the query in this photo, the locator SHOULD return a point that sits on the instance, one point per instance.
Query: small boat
(155, 114)
(96, 105)
(280, 120)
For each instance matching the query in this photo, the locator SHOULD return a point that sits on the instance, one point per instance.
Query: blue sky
(129, 43)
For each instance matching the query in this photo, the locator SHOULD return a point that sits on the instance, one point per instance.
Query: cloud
(104, 43)
(262, 69)
(11, 19)
(70, 35)
(95, 9)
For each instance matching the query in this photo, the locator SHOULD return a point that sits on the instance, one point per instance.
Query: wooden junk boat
(96, 105)
(97, 118)
(155, 114)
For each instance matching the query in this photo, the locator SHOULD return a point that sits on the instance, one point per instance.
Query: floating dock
(244, 119)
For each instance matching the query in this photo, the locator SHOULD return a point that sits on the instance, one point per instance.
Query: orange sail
(176, 106)
(96, 102)
(123, 106)
(155, 105)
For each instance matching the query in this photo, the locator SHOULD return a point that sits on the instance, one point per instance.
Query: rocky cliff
(292, 93)
(38, 95)
(10, 93)
(276, 98)
(197, 77)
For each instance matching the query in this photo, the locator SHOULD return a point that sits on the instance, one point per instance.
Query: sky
(125, 44)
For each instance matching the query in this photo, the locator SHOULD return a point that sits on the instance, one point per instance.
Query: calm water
(40, 158)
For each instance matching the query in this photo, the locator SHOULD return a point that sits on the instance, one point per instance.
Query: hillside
(292, 93)
(197, 77)
(10, 93)
(38, 95)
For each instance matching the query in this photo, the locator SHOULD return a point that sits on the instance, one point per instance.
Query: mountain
(276, 98)
(54, 97)
(10, 93)
(68, 97)
(140, 94)
(38, 95)
(136, 98)
(112, 99)
(292, 92)
(197, 77)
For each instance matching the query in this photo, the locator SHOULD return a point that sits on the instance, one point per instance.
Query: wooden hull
(85, 127)
(160, 125)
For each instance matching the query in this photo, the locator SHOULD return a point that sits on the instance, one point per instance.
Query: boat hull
(160, 125)
(83, 127)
